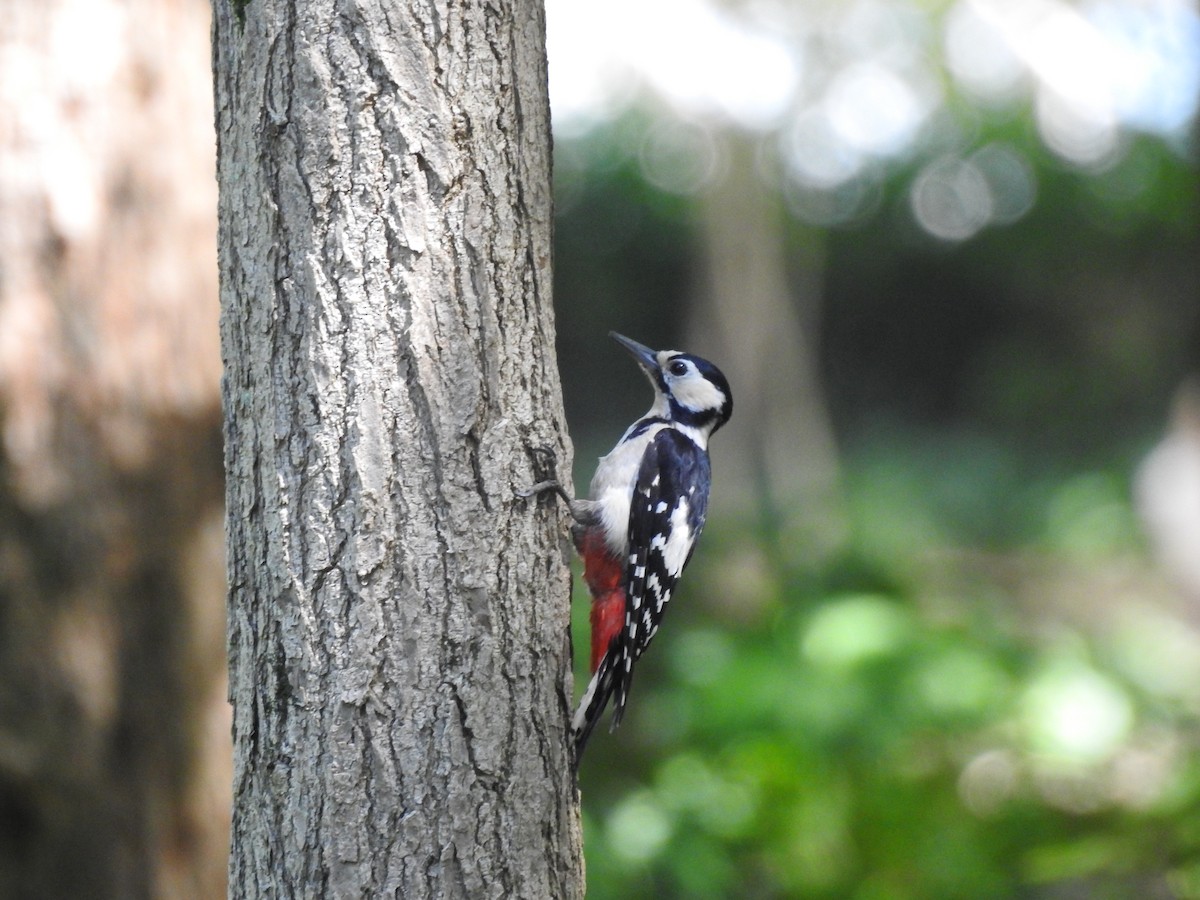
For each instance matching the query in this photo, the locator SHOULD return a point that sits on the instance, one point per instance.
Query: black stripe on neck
(643, 425)
(694, 418)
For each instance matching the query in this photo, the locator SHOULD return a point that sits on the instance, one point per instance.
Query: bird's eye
(678, 368)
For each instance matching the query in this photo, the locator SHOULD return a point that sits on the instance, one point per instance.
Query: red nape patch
(604, 575)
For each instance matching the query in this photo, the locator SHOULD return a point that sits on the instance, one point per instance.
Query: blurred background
(942, 638)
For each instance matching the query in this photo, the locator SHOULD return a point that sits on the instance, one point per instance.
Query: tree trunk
(400, 654)
(759, 314)
(114, 749)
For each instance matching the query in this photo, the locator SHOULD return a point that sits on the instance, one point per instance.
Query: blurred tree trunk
(758, 315)
(114, 749)
(400, 663)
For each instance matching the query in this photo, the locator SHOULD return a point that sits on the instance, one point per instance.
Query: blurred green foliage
(988, 690)
(901, 723)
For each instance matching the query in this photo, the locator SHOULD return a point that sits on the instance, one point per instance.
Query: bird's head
(688, 390)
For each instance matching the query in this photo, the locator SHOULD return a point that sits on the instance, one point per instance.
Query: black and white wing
(666, 516)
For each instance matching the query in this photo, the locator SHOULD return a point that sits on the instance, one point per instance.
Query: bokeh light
(846, 88)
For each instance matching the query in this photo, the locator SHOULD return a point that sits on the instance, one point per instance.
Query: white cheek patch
(698, 393)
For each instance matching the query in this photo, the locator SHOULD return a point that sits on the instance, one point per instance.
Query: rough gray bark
(398, 620)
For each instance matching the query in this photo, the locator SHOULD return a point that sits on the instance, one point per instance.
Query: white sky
(861, 66)
(844, 85)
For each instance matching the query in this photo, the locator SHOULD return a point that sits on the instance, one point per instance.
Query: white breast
(612, 487)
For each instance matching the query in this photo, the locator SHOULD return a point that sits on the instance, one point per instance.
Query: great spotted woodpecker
(637, 531)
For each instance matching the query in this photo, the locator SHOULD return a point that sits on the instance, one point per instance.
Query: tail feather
(612, 680)
(591, 705)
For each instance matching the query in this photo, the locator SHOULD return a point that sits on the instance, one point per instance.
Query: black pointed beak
(645, 357)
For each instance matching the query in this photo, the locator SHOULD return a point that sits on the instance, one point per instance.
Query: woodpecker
(639, 527)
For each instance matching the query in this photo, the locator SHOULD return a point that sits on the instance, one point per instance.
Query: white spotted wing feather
(666, 515)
